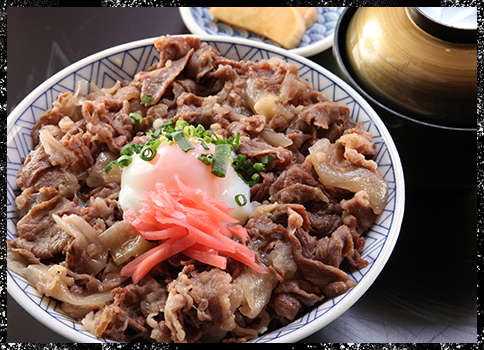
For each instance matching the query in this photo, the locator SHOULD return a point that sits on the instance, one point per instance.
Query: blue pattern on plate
(124, 65)
(324, 26)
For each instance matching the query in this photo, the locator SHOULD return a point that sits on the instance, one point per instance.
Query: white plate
(317, 39)
(123, 62)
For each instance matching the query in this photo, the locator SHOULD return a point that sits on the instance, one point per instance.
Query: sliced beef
(326, 119)
(261, 191)
(172, 48)
(67, 105)
(36, 162)
(195, 109)
(291, 295)
(357, 212)
(155, 82)
(201, 62)
(331, 280)
(358, 146)
(105, 127)
(82, 146)
(49, 118)
(255, 150)
(198, 302)
(297, 185)
(325, 218)
(126, 318)
(38, 237)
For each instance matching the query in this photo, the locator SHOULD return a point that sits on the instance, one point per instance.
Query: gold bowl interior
(410, 70)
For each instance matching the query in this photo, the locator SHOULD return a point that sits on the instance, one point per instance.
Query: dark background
(426, 293)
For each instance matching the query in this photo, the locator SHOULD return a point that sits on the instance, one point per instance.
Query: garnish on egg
(189, 222)
(180, 133)
(241, 200)
(200, 157)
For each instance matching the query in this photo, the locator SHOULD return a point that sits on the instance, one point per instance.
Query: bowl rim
(356, 292)
(338, 50)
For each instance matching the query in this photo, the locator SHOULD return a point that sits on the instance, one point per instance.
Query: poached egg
(171, 161)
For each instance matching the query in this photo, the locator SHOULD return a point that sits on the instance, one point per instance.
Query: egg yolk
(170, 161)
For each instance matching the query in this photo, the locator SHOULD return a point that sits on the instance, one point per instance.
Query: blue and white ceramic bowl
(123, 62)
(316, 39)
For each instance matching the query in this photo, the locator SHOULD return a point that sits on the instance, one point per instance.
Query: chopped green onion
(135, 118)
(206, 158)
(234, 143)
(167, 124)
(128, 149)
(148, 152)
(180, 132)
(190, 131)
(267, 160)
(111, 165)
(241, 200)
(181, 124)
(210, 136)
(221, 159)
(250, 183)
(204, 145)
(207, 139)
(146, 99)
(256, 177)
(153, 142)
(182, 141)
(237, 139)
(239, 161)
(165, 127)
(156, 133)
(124, 161)
(259, 167)
(218, 141)
(200, 130)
